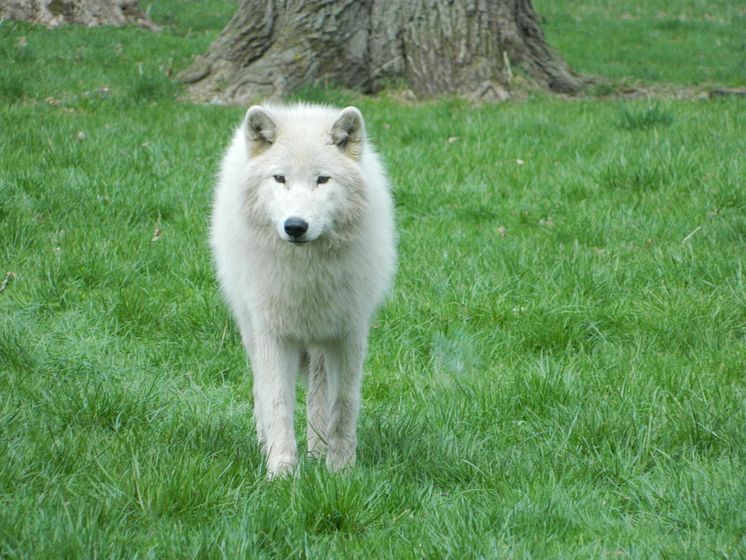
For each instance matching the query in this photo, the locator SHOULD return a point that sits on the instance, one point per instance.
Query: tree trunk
(85, 12)
(468, 47)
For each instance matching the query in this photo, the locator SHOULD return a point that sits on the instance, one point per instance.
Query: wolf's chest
(309, 302)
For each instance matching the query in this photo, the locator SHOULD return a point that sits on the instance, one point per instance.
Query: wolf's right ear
(260, 129)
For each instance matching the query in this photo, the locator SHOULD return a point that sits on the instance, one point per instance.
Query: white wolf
(303, 238)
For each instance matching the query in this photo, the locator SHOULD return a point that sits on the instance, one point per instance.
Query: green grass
(687, 42)
(559, 373)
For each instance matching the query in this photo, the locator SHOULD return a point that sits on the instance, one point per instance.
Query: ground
(559, 371)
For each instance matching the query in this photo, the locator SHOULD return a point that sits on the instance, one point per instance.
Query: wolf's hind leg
(317, 404)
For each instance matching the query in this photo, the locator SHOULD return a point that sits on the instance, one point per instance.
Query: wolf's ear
(260, 129)
(348, 132)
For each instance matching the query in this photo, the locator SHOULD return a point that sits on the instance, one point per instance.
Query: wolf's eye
(322, 179)
(279, 178)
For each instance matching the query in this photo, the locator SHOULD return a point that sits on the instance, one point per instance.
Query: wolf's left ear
(260, 129)
(348, 132)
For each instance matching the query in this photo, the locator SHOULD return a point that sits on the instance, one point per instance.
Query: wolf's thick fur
(303, 238)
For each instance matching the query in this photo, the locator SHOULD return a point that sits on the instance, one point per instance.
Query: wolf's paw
(280, 466)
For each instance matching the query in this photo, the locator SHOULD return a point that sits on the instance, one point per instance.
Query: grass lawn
(559, 373)
(685, 42)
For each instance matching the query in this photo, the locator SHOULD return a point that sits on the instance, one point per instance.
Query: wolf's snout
(295, 227)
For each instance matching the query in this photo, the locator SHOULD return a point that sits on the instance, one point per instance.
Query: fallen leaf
(8, 278)
(501, 231)
(548, 222)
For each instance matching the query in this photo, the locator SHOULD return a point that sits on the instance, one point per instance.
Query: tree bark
(52, 13)
(468, 48)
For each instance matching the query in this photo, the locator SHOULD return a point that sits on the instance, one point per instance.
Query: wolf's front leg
(247, 336)
(344, 367)
(275, 365)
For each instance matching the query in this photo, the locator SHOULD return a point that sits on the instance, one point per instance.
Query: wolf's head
(304, 170)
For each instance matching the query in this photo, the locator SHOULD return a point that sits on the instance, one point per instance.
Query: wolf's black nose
(296, 227)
